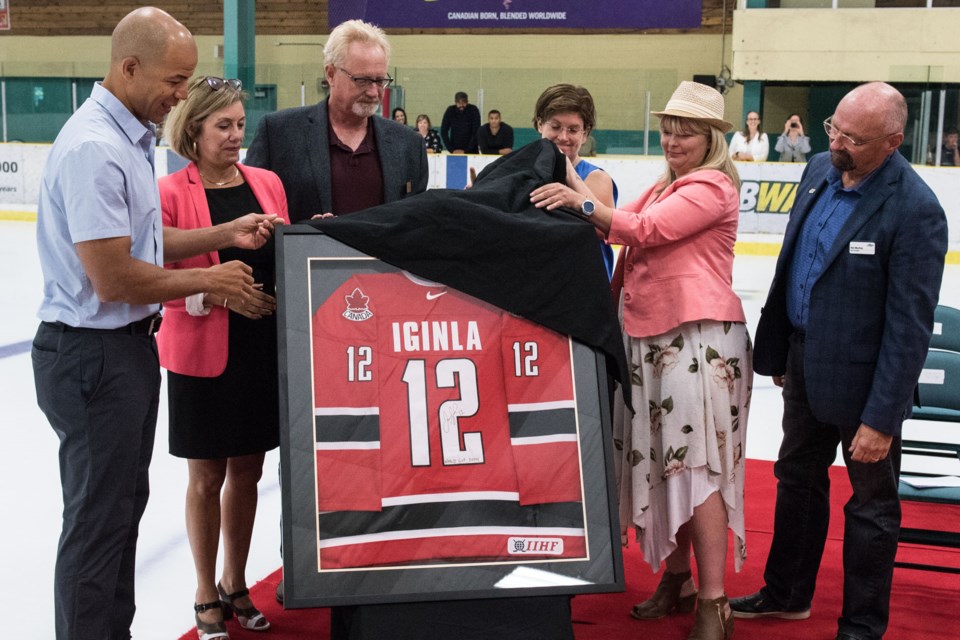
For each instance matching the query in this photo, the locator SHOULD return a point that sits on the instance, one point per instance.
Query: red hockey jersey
(448, 425)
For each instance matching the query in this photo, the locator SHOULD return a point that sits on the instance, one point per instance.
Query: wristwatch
(587, 208)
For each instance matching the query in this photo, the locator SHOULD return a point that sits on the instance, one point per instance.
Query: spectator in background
(431, 139)
(948, 151)
(220, 352)
(399, 115)
(751, 144)
(495, 137)
(459, 126)
(334, 156)
(589, 148)
(565, 114)
(792, 144)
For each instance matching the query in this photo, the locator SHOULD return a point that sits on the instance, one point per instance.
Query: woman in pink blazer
(221, 354)
(681, 455)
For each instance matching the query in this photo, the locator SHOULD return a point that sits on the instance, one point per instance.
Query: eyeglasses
(556, 128)
(216, 83)
(833, 133)
(363, 83)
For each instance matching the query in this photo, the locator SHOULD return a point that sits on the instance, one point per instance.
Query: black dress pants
(100, 392)
(871, 516)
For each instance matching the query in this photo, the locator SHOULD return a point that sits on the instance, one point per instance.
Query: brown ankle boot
(712, 623)
(666, 599)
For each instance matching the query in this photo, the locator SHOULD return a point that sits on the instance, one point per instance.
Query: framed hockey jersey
(433, 446)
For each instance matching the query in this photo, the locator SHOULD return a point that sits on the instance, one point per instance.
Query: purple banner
(520, 14)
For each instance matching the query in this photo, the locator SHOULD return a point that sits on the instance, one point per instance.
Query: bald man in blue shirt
(845, 332)
(102, 249)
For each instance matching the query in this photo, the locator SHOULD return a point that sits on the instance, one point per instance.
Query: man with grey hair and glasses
(337, 156)
(845, 332)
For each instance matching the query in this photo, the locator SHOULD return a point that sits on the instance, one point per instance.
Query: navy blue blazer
(871, 312)
(294, 144)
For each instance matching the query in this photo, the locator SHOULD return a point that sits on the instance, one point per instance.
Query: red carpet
(923, 605)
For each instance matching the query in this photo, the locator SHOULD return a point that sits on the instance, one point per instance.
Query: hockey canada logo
(535, 546)
(358, 308)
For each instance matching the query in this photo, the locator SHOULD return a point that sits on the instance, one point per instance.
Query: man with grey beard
(337, 156)
(845, 332)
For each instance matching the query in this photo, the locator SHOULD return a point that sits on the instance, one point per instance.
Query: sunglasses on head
(216, 83)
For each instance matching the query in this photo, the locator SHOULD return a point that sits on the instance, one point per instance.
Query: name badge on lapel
(863, 248)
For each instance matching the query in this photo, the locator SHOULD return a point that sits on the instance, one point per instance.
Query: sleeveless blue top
(584, 169)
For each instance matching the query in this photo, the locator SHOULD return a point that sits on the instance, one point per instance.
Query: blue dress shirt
(99, 182)
(820, 229)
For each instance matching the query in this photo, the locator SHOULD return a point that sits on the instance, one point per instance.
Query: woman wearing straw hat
(681, 465)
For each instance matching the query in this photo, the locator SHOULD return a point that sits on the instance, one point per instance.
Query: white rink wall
(766, 193)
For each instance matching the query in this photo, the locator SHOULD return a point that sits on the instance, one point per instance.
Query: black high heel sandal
(249, 618)
(211, 630)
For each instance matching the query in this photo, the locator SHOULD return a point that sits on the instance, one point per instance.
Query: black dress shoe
(279, 592)
(757, 606)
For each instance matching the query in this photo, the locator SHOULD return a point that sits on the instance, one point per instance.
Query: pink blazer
(679, 261)
(197, 345)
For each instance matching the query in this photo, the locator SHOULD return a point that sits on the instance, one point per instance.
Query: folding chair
(946, 329)
(939, 393)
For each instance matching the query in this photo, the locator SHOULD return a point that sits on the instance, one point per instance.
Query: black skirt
(237, 412)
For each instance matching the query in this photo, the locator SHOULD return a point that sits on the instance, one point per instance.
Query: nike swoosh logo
(434, 296)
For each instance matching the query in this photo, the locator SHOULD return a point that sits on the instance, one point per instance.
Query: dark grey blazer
(294, 144)
(871, 312)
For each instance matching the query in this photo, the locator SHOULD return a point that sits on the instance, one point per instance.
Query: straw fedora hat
(699, 102)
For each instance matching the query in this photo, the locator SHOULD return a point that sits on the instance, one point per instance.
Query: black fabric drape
(490, 242)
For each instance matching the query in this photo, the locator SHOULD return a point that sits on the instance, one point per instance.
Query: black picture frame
(310, 267)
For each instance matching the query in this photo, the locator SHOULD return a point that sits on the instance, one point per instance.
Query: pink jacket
(197, 345)
(679, 259)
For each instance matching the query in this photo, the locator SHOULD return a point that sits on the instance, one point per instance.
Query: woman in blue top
(565, 114)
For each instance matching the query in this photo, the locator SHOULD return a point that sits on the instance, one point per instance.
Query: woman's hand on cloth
(555, 194)
(573, 195)
(254, 229)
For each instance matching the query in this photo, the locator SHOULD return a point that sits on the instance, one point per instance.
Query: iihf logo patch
(358, 308)
(535, 546)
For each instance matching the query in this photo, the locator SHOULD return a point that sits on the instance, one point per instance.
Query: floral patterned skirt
(691, 389)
